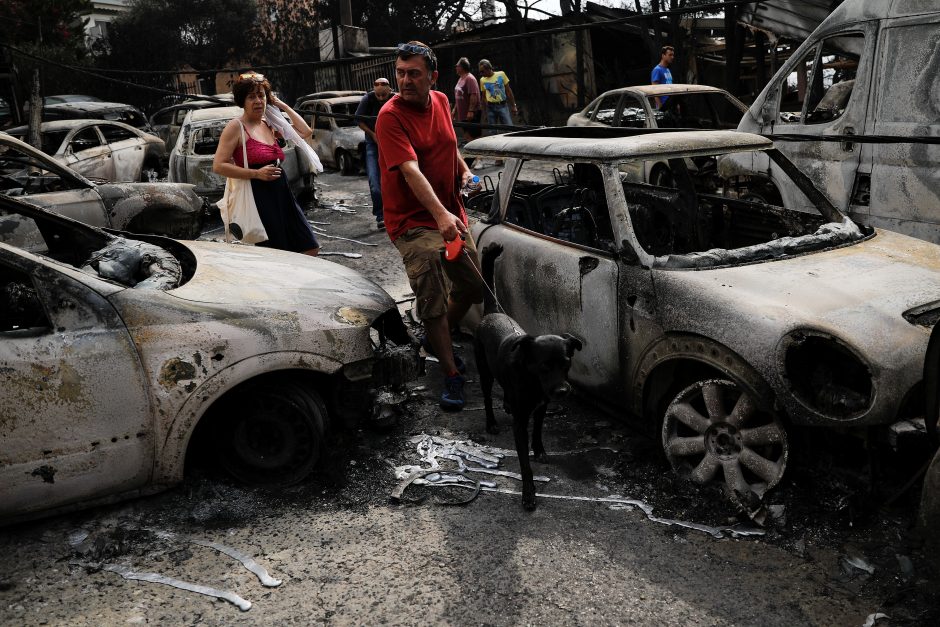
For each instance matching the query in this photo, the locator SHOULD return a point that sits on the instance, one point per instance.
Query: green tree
(44, 25)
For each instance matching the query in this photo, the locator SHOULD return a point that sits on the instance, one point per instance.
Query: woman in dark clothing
(283, 219)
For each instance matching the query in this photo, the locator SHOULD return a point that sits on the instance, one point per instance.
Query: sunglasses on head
(251, 76)
(424, 51)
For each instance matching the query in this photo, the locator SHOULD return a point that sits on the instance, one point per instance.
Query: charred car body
(859, 113)
(339, 142)
(115, 350)
(168, 209)
(191, 156)
(719, 320)
(97, 110)
(685, 107)
(112, 151)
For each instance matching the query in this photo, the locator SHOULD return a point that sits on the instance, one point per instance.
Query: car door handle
(848, 146)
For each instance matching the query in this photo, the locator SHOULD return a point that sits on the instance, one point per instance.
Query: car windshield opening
(346, 109)
(695, 212)
(706, 111)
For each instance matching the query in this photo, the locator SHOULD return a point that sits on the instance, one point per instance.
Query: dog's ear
(573, 343)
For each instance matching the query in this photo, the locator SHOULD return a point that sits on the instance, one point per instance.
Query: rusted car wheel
(271, 435)
(715, 431)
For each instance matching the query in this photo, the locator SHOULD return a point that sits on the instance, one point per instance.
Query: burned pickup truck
(116, 353)
(719, 320)
(170, 209)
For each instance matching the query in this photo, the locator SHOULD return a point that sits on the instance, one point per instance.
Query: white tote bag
(238, 208)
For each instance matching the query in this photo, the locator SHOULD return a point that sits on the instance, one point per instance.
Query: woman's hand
(269, 172)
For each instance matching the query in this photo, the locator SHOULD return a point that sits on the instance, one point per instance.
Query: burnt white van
(857, 107)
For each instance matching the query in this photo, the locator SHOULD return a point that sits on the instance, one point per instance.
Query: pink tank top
(259, 153)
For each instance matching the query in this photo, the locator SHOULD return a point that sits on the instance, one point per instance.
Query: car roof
(605, 144)
(333, 101)
(89, 106)
(67, 125)
(326, 95)
(667, 90)
(214, 113)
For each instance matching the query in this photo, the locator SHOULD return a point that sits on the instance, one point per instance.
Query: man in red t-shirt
(422, 174)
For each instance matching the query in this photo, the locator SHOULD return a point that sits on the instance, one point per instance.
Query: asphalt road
(833, 552)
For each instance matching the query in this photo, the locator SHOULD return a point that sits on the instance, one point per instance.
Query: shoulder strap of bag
(231, 181)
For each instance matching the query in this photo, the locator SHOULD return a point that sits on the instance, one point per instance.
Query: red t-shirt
(406, 133)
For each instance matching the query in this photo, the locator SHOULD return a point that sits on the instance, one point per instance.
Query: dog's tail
(488, 262)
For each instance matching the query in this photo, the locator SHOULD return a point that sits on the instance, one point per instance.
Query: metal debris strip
(322, 233)
(331, 253)
(487, 459)
(128, 573)
(248, 562)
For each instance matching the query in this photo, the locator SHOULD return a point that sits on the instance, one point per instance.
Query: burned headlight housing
(826, 376)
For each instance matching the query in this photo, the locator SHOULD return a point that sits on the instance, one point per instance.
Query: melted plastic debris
(431, 449)
(128, 573)
(874, 618)
(259, 571)
(851, 563)
(135, 264)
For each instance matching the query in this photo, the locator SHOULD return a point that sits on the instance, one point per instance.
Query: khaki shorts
(422, 251)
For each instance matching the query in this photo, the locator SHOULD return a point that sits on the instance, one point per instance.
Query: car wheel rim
(715, 432)
(272, 441)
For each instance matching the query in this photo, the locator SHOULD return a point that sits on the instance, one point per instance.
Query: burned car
(167, 121)
(99, 149)
(721, 322)
(168, 209)
(339, 142)
(97, 110)
(119, 352)
(191, 157)
(685, 107)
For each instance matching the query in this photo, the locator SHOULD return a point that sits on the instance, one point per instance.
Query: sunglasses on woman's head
(251, 76)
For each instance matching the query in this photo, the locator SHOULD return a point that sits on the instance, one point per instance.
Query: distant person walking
(467, 100)
(366, 114)
(661, 74)
(499, 99)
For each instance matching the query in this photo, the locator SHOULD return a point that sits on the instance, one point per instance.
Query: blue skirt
(282, 217)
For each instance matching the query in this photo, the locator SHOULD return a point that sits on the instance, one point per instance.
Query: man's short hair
(485, 63)
(666, 49)
(464, 63)
(412, 48)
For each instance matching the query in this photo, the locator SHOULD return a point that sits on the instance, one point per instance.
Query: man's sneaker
(452, 396)
(380, 224)
(458, 362)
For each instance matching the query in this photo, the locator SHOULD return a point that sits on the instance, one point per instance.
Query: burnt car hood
(148, 193)
(263, 277)
(853, 291)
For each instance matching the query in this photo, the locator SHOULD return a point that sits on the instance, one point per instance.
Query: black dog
(531, 370)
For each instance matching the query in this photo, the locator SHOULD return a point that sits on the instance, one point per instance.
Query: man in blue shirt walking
(661, 74)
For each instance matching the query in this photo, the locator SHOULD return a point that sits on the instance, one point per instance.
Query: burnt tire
(271, 434)
(345, 163)
(714, 431)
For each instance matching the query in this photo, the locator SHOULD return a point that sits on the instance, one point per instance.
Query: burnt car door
(75, 417)
(825, 93)
(127, 151)
(559, 270)
(89, 155)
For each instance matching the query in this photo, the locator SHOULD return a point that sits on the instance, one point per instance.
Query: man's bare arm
(447, 223)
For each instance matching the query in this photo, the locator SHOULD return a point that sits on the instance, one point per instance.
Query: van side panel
(905, 177)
